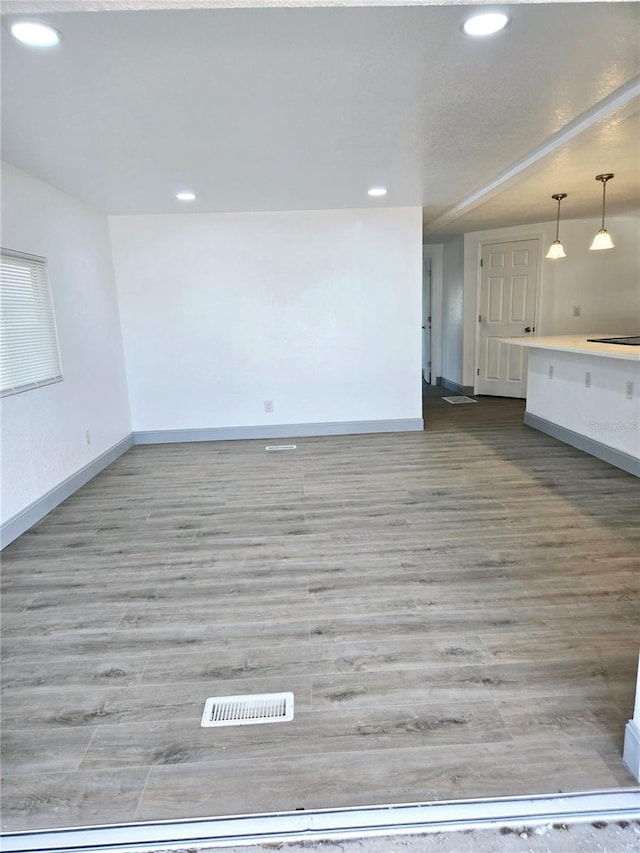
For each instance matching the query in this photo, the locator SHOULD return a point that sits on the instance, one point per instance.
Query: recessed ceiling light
(377, 191)
(35, 34)
(485, 24)
(186, 196)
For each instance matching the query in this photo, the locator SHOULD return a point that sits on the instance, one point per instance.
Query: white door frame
(487, 241)
(426, 319)
(435, 251)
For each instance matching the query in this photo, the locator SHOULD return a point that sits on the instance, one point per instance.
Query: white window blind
(29, 354)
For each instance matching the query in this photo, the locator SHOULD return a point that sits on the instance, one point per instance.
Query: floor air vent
(248, 710)
(461, 399)
(280, 447)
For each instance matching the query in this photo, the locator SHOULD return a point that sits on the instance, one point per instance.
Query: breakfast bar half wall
(586, 393)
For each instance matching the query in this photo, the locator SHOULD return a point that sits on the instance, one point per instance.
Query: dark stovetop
(630, 340)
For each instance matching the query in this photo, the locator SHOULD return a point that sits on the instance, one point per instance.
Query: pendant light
(603, 240)
(556, 249)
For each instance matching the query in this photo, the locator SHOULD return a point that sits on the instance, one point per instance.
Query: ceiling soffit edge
(625, 100)
(28, 7)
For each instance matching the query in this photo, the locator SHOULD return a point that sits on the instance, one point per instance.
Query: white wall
(604, 284)
(318, 311)
(452, 343)
(43, 430)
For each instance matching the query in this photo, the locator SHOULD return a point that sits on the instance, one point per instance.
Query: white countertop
(579, 343)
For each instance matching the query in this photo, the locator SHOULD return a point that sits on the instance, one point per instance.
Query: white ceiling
(305, 108)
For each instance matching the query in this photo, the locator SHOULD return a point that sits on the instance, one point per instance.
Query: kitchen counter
(579, 343)
(586, 394)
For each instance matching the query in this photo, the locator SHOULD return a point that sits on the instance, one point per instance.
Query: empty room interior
(320, 378)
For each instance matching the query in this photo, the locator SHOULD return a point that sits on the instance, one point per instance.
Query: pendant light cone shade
(602, 240)
(556, 249)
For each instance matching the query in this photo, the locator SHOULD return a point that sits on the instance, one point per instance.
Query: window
(29, 354)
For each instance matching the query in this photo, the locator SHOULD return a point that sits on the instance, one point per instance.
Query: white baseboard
(36, 511)
(588, 445)
(30, 515)
(450, 385)
(166, 436)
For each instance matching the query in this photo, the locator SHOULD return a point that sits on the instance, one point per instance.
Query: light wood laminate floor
(456, 612)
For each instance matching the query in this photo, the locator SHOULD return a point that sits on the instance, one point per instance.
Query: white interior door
(508, 283)
(426, 320)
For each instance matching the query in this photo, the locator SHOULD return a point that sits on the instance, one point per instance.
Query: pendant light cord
(604, 193)
(558, 197)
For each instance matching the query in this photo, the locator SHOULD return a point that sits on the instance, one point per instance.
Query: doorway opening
(426, 321)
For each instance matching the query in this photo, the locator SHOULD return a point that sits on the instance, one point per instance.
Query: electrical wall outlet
(550, 371)
(576, 310)
(587, 380)
(268, 406)
(629, 394)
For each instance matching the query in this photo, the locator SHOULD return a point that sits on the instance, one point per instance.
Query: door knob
(527, 328)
